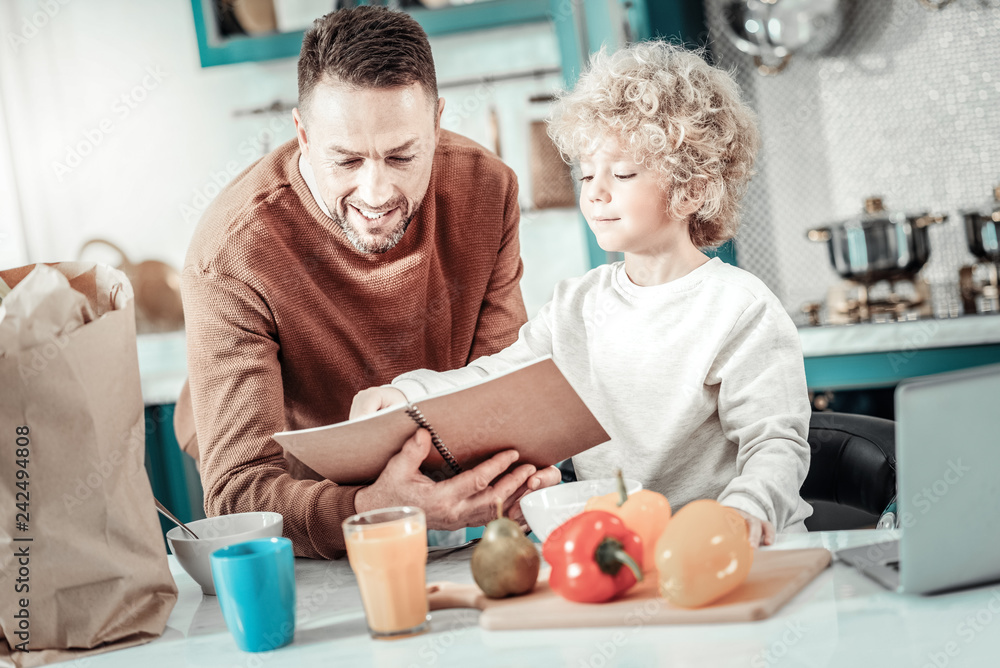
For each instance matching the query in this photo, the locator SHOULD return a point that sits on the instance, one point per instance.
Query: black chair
(852, 473)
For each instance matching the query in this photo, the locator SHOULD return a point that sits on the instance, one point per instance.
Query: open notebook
(532, 408)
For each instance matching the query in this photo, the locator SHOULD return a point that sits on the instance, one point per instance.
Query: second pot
(878, 245)
(982, 229)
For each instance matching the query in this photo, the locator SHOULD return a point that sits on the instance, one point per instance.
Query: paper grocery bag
(82, 562)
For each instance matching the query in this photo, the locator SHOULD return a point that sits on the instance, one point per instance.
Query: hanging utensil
(935, 5)
(772, 30)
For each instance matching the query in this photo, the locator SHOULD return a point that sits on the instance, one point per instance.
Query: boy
(691, 365)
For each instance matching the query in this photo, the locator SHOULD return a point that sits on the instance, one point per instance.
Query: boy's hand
(375, 399)
(761, 531)
(546, 477)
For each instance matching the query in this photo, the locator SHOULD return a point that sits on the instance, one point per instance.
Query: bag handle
(124, 262)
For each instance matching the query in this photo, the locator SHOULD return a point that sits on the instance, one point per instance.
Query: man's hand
(466, 500)
(374, 399)
(761, 531)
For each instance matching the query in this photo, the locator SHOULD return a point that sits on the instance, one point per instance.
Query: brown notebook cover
(532, 409)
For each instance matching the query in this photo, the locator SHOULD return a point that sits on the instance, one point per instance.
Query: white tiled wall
(117, 132)
(903, 105)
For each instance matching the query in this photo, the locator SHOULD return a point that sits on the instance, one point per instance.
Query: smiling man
(373, 244)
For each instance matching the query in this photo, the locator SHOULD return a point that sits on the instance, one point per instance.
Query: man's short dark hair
(367, 46)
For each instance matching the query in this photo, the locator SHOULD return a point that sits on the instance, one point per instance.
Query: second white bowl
(547, 508)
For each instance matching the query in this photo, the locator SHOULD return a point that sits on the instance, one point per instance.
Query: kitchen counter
(881, 355)
(840, 619)
(973, 330)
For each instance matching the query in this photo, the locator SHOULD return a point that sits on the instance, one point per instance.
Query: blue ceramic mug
(255, 584)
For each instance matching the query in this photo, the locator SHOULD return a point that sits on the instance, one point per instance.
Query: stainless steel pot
(878, 245)
(772, 30)
(982, 229)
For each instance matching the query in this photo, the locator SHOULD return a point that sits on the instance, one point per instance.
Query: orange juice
(389, 560)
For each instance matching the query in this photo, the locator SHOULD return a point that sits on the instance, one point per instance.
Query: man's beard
(383, 243)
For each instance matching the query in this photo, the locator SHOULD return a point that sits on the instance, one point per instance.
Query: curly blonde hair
(673, 113)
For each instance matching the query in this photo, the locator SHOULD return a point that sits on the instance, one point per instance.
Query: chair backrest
(853, 461)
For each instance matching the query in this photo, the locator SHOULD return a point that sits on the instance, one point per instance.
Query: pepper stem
(611, 556)
(622, 492)
(627, 559)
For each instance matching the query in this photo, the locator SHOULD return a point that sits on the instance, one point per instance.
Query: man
(375, 244)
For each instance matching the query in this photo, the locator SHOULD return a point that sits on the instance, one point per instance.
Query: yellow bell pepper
(646, 513)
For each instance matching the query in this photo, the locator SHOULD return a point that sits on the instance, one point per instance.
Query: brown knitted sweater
(286, 321)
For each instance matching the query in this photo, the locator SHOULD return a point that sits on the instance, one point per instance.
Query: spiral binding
(446, 455)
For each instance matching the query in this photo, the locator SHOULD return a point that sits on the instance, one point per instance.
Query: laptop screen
(948, 480)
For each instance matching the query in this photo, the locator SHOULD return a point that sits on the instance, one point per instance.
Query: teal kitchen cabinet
(881, 355)
(172, 474)
(214, 49)
(887, 369)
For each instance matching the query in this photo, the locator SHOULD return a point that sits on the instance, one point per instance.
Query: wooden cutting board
(776, 576)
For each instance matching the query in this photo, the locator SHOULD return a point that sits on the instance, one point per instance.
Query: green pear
(505, 562)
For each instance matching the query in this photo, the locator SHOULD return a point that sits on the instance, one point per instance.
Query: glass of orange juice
(388, 553)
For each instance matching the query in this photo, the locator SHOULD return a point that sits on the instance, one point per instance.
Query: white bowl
(217, 532)
(547, 508)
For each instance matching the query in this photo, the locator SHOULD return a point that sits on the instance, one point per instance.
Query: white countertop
(840, 619)
(971, 330)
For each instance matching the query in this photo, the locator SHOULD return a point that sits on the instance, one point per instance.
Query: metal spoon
(170, 516)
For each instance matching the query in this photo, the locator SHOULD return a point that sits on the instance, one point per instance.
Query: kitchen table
(840, 619)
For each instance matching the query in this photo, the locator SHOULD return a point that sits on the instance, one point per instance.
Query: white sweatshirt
(699, 382)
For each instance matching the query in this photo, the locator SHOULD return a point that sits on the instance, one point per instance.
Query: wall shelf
(215, 50)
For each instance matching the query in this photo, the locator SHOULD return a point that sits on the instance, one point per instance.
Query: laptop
(948, 484)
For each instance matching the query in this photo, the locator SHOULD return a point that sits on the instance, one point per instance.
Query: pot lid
(875, 215)
(990, 209)
(874, 212)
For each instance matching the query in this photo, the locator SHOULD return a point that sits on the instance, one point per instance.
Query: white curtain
(12, 249)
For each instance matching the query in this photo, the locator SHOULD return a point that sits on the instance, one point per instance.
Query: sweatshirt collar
(625, 285)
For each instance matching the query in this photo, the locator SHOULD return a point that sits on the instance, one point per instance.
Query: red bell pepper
(594, 557)
(646, 512)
